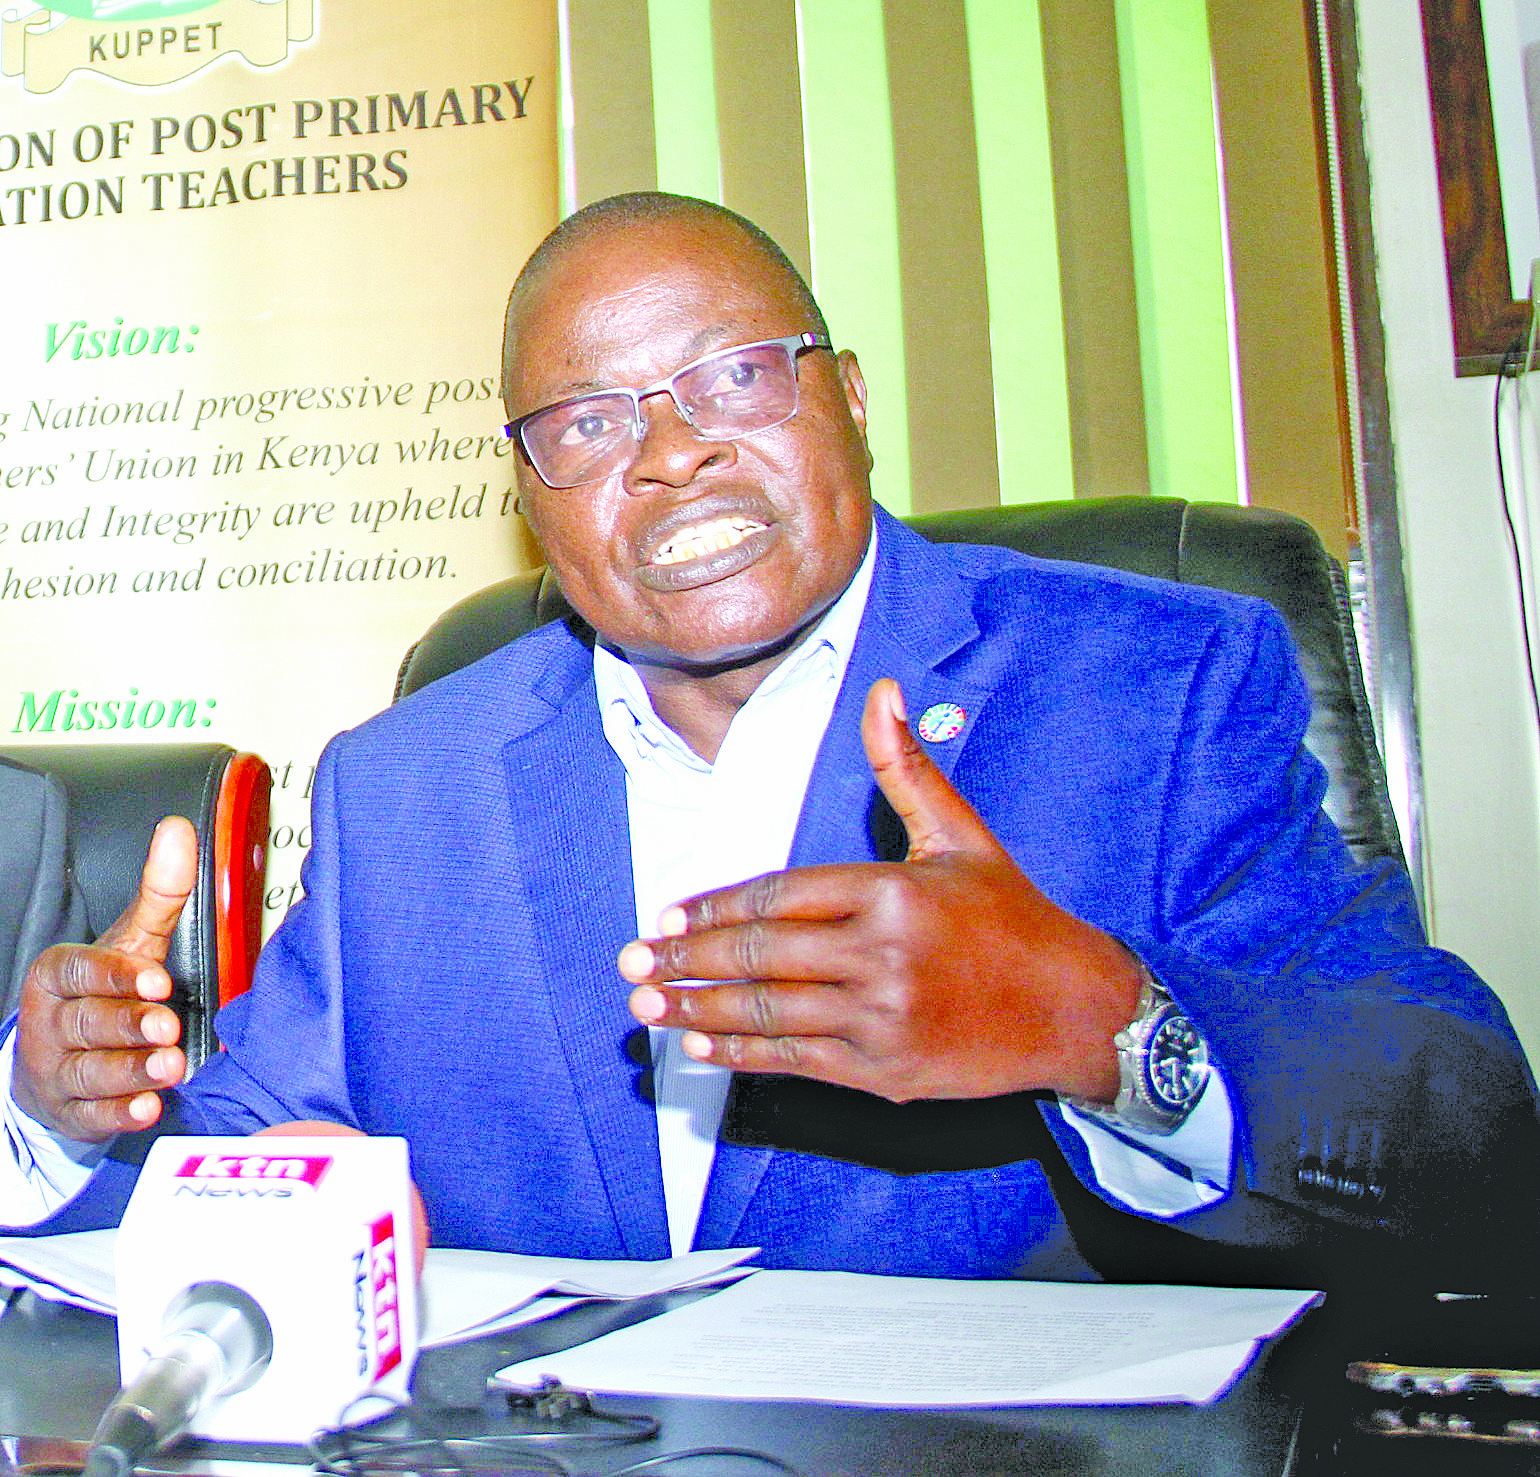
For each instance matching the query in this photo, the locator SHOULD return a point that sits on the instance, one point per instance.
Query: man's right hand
(94, 1045)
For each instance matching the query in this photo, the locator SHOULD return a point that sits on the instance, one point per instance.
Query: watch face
(1176, 1066)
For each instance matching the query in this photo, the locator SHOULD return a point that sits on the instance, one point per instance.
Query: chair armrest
(240, 865)
(118, 794)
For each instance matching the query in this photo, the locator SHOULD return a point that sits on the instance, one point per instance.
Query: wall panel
(759, 120)
(1178, 247)
(1297, 443)
(1095, 259)
(941, 258)
(853, 215)
(1012, 210)
(610, 61)
(684, 100)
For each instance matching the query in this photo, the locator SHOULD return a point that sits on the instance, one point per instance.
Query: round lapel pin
(940, 722)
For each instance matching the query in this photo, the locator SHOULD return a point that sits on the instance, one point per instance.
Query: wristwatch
(1162, 1066)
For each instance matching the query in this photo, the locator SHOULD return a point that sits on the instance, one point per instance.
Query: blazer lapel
(917, 618)
(577, 879)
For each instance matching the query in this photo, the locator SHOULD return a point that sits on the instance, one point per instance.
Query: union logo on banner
(145, 43)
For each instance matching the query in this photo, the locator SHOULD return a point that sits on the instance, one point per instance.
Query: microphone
(263, 1285)
(215, 1340)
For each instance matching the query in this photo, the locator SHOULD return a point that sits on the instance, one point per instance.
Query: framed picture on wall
(1489, 315)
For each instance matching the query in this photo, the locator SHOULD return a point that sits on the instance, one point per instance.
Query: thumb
(936, 818)
(170, 870)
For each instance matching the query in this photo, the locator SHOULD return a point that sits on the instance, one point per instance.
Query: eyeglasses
(731, 393)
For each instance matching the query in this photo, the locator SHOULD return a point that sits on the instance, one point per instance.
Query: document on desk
(75, 1268)
(464, 1293)
(860, 1340)
(469, 1293)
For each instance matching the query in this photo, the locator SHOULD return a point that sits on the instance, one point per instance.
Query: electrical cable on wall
(1516, 354)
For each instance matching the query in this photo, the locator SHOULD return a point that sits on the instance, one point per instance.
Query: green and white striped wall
(1012, 210)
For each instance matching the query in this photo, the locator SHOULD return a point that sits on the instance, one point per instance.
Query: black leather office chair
(1254, 551)
(117, 795)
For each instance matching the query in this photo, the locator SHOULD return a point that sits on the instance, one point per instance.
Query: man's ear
(854, 386)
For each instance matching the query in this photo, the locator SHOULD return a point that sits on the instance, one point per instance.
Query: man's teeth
(700, 539)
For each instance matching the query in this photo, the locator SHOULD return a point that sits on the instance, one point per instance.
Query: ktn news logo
(251, 1171)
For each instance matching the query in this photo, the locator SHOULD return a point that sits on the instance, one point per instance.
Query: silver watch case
(1162, 1066)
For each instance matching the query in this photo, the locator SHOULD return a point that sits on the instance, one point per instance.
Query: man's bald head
(693, 554)
(645, 208)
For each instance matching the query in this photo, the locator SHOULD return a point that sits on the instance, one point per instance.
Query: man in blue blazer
(1013, 939)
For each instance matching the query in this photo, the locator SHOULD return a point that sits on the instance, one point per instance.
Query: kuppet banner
(256, 253)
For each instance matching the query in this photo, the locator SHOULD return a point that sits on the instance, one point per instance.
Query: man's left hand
(946, 975)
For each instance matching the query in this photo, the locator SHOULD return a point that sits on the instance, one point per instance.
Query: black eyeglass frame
(795, 345)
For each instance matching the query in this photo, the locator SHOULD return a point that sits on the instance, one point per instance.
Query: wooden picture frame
(1487, 319)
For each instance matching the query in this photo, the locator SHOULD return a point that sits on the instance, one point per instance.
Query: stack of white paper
(829, 1336)
(464, 1293)
(75, 1268)
(856, 1340)
(469, 1293)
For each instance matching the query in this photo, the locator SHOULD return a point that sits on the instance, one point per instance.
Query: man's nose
(671, 453)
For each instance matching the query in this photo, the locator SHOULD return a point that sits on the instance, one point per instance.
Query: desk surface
(58, 1369)
(1291, 1415)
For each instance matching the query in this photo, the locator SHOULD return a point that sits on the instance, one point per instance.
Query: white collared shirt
(696, 827)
